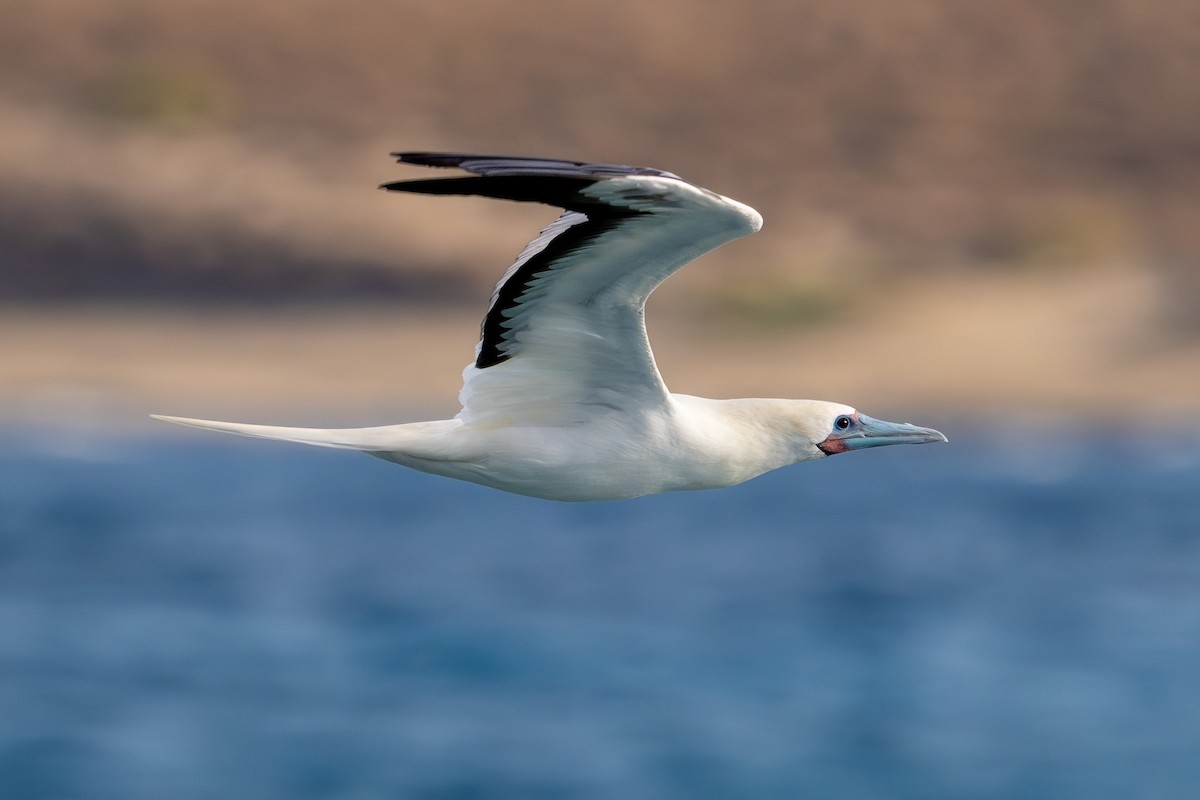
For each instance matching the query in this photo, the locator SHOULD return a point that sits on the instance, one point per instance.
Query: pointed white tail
(381, 438)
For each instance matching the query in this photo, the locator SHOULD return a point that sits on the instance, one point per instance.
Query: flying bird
(563, 400)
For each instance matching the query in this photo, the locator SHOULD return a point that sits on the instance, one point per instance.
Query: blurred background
(992, 204)
(979, 216)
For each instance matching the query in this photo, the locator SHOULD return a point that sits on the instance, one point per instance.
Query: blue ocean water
(1015, 615)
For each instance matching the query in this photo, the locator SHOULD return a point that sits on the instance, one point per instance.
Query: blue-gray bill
(863, 431)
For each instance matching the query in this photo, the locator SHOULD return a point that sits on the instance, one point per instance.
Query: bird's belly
(550, 477)
(572, 464)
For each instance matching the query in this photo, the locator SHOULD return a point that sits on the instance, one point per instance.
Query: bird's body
(692, 443)
(564, 400)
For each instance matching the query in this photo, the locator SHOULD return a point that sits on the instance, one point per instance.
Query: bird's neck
(754, 435)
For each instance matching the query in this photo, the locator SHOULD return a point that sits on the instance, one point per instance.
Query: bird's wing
(564, 337)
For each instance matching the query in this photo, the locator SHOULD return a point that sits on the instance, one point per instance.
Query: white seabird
(564, 400)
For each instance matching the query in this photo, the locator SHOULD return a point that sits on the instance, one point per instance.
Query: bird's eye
(842, 422)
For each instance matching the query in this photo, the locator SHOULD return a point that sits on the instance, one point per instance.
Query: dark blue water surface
(1010, 616)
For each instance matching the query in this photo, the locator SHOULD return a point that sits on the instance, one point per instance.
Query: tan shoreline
(1066, 347)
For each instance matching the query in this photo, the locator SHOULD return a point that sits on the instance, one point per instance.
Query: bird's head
(835, 428)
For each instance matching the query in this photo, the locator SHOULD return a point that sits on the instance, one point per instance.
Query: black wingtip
(433, 186)
(528, 180)
(430, 159)
(499, 165)
(553, 190)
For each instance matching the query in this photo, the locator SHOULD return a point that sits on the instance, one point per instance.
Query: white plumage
(564, 400)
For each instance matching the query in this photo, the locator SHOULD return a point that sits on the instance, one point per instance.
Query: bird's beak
(869, 432)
